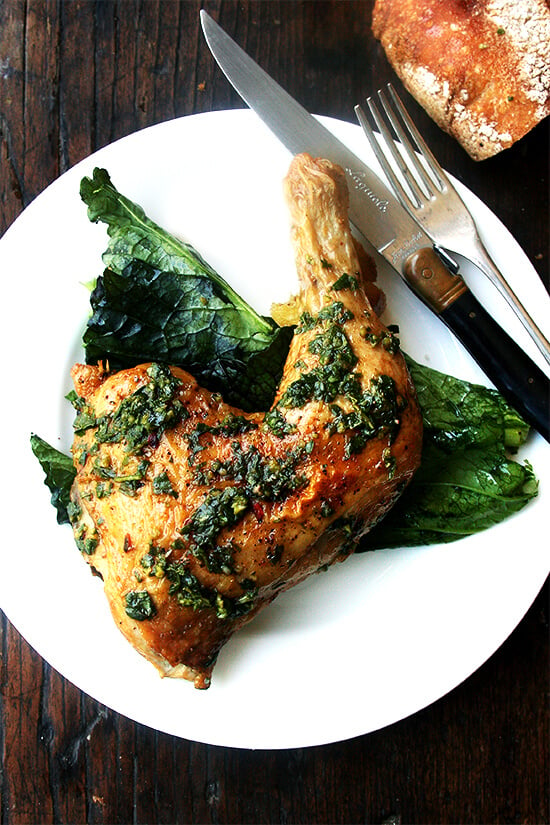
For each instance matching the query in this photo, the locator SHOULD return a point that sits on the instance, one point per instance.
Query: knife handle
(515, 375)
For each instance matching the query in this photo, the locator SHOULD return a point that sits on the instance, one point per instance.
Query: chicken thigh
(197, 515)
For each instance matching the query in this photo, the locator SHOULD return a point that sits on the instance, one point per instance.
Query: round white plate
(347, 652)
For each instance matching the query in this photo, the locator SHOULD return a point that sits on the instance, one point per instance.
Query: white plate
(347, 652)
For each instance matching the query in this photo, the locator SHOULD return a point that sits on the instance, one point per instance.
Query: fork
(431, 199)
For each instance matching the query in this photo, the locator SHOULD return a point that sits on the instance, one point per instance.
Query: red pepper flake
(128, 545)
(153, 441)
(258, 510)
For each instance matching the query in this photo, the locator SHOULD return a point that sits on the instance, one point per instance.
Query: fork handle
(479, 256)
(510, 369)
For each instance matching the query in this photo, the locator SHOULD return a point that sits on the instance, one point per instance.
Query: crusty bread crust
(480, 68)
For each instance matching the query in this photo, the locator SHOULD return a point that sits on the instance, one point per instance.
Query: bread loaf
(480, 68)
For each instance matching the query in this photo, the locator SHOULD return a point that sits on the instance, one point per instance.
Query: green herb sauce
(189, 592)
(220, 508)
(163, 486)
(231, 425)
(129, 483)
(86, 539)
(387, 339)
(265, 478)
(275, 421)
(85, 417)
(335, 312)
(345, 281)
(142, 417)
(375, 411)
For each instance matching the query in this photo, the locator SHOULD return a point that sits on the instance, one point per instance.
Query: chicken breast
(197, 515)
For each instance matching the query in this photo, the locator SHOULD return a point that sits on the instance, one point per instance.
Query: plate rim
(20, 221)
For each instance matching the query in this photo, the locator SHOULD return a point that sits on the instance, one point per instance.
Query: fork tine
(427, 183)
(381, 157)
(432, 163)
(421, 184)
(405, 197)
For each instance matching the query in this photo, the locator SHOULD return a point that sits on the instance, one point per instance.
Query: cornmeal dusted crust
(480, 68)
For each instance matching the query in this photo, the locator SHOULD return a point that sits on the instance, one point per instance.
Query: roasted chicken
(197, 515)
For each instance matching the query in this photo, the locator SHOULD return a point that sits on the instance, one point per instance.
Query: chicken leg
(197, 515)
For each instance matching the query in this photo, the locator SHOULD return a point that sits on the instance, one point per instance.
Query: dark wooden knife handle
(511, 370)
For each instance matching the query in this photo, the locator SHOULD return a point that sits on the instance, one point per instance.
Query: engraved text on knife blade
(357, 178)
(396, 251)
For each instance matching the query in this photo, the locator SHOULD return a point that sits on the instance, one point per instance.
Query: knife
(377, 214)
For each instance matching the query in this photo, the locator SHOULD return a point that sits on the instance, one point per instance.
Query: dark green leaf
(160, 301)
(453, 496)
(134, 237)
(457, 413)
(59, 475)
(466, 481)
(144, 314)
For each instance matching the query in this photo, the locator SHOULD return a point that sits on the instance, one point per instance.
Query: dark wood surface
(75, 76)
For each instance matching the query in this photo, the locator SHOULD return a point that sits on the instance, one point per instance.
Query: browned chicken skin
(197, 515)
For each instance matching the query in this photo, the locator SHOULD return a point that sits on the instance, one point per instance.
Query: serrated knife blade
(379, 217)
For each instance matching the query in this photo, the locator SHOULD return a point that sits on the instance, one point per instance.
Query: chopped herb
(85, 542)
(103, 489)
(220, 508)
(86, 538)
(220, 558)
(154, 562)
(375, 411)
(323, 383)
(129, 483)
(231, 425)
(275, 421)
(307, 322)
(139, 605)
(190, 593)
(85, 418)
(266, 478)
(335, 312)
(145, 414)
(387, 339)
(345, 281)
(163, 485)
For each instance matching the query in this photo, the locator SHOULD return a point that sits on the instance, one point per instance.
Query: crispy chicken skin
(200, 518)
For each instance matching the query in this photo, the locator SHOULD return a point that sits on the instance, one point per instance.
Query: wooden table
(75, 76)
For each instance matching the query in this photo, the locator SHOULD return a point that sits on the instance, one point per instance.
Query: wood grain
(75, 76)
